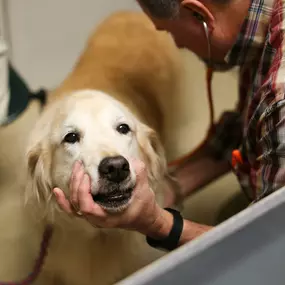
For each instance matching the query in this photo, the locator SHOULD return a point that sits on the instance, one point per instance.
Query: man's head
(184, 20)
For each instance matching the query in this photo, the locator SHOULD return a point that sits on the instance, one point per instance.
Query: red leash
(39, 262)
(48, 231)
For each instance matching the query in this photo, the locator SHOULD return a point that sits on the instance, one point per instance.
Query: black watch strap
(172, 240)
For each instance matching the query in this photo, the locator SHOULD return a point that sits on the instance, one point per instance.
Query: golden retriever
(112, 107)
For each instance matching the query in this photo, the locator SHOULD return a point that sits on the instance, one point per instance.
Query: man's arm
(143, 214)
(211, 162)
(194, 175)
(163, 224)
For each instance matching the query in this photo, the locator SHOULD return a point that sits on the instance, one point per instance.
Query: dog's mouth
(114, 201)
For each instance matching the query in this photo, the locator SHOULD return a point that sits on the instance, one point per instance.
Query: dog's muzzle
(114, 174)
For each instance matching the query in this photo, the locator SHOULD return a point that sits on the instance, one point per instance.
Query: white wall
(47, 36)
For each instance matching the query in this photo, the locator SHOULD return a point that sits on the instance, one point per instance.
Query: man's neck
(252, 34)
(234, 15)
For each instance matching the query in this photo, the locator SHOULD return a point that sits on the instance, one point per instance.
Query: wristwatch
(172, 240)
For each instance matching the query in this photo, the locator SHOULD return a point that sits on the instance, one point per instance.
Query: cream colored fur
(128, 73)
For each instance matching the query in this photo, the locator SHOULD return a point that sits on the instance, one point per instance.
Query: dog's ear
(153, 152)
(38, 163)
(38, 187)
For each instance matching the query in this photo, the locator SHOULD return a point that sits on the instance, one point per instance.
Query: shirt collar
(253, 33)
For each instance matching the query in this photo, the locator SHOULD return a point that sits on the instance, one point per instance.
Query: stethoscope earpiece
(201, 19)
(206, 29)
(198, 16)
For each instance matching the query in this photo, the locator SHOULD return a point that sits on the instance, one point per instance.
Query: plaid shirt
(257, 127)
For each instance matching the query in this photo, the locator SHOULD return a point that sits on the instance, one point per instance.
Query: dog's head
(101, 132)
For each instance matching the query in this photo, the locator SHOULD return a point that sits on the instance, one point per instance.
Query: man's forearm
(162, 227)
(195, 174)
(192, 230)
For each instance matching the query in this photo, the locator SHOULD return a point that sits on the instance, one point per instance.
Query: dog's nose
(115, 169)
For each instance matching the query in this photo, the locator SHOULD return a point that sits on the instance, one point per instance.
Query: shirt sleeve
(270, 167)
(268, 128)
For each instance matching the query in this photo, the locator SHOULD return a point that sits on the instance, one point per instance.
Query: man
(245, 33)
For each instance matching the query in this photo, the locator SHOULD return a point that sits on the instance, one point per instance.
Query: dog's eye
(123, 129)
(72, 138)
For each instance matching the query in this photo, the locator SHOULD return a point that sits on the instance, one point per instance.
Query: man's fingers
(84, 196)
(140, 169)
(75, 169)
(85, 199)
(77, 177)
(62, 201)
(141, 176)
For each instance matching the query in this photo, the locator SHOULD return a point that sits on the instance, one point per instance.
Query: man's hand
(142, 214)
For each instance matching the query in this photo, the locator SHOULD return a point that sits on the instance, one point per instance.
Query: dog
(112, 107)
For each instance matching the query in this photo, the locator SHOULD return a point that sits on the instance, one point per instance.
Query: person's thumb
(140, 171)
(139, 167)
